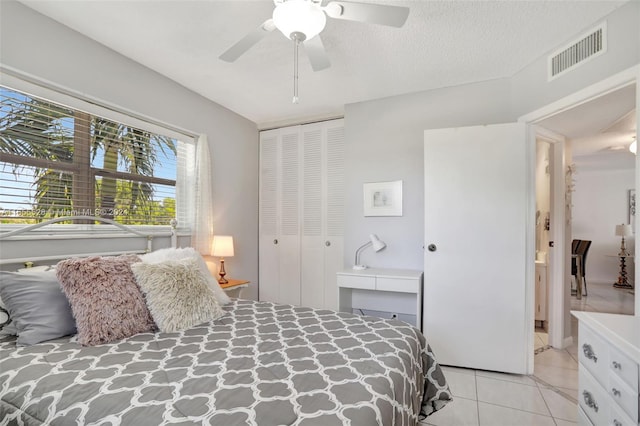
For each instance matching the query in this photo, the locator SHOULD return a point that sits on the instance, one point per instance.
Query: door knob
(432, 247)
(275, 241)
(327, 243)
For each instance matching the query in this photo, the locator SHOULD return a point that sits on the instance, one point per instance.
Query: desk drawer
(355, 281)
(397, 284)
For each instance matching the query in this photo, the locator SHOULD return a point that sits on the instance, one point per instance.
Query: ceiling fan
(302, 21)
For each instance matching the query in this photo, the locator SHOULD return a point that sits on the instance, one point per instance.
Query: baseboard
(568, 341)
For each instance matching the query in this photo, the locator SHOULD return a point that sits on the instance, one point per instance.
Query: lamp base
(359, 267)
(222, 273)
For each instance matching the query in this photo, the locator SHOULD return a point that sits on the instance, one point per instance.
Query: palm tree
(50, 137)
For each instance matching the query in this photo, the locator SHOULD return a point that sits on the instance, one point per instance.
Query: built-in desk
(384, 293)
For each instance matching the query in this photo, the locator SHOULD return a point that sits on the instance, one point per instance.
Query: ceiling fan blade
(394, 16)
(235, 51)
(317, 53)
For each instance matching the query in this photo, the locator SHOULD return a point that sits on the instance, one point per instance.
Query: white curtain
(202, 230)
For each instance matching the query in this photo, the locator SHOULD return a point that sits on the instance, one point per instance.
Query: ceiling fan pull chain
(296, 45)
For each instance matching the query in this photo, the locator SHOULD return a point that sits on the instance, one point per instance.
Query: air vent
(577, 52)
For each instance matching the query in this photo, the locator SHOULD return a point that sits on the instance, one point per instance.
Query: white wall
(384, 142)
(530, 88)
(43, 49)
(599, 204)
(384, 137)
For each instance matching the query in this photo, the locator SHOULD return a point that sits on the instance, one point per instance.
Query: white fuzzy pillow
(165, 254)
(177, 294)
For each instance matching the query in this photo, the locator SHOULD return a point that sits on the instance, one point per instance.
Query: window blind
(58, 161)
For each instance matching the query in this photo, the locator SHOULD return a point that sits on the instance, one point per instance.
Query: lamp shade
(222, 246)
(624, 230)
(299, 16)
(376, 243)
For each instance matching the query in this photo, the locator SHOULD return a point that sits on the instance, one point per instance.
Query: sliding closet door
(322, 212)
(268, 275)
(279, 240)
(289, 241)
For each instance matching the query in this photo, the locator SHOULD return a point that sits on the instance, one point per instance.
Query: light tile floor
(548, 397)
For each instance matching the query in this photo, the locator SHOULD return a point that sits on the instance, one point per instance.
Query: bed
(259, 363)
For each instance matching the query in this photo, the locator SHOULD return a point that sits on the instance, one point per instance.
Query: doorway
(599, 133)
(543, 180)
(567, 117)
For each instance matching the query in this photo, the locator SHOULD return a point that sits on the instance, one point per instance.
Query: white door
(289, 240)
(279, 239)
(475, 269)
(268, 276)
(322, 212)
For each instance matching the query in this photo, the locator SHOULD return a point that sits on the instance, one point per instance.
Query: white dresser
(609, 369)
(384, 293)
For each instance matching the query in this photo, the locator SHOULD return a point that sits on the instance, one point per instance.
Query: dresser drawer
(617, 417)
(623, 395)
(397, 284)
(593, 399)
(583, 420)
(593, 353)
(355, 281)
(624, 367)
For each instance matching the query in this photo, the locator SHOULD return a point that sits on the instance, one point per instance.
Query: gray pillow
(37, 306)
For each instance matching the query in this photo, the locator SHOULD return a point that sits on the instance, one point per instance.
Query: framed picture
(631, 198)
(383, 198)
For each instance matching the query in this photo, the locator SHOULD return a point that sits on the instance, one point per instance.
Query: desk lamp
(375, 243)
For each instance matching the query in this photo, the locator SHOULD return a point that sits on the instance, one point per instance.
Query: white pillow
(165, 254)
(177, 294)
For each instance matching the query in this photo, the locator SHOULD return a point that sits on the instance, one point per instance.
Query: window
(57, 161)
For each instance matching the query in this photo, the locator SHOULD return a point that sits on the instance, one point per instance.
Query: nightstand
(234, 287)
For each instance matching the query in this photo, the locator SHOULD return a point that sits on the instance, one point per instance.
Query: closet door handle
(275, 241)
(327, 243)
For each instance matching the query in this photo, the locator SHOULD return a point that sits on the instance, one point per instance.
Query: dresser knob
(588, 399)
(327, 243)
(275, 241)
(588, 352)
(616, 365)
(615, 392)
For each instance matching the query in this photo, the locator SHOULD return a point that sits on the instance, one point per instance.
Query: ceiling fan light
(299, 16)
(634, 146)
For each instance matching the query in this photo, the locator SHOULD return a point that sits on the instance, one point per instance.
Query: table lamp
(222, 247)
(623, 231)
(375, 243)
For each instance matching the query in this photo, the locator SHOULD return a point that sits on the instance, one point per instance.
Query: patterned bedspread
(261, 364)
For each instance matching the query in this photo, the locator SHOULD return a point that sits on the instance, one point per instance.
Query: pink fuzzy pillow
(104, 297)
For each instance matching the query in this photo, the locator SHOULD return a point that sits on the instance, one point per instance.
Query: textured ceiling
(443, 43)
(600, 130)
